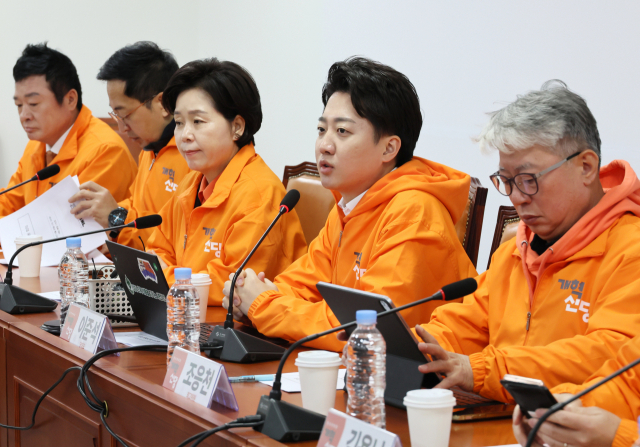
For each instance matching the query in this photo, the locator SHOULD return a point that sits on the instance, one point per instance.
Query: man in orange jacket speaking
(136, 75)
(392, 231)
(62, 131)
(562, 296)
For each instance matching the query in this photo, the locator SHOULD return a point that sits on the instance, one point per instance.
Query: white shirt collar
(346, 209)
(58, 144)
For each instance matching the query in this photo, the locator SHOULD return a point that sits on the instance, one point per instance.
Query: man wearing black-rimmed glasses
(136, 75)
(562, 296)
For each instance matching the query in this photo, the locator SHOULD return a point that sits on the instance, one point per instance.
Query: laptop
(403, 355)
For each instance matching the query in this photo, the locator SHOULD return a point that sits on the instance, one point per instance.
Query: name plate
(199, 379)
(88, 330)
(342, 430)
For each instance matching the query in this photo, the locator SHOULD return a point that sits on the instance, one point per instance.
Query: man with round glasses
(562, 296)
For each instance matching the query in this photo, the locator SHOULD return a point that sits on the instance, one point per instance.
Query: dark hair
(57, 68)
(144, 68)
(231, 88)
(381, 95)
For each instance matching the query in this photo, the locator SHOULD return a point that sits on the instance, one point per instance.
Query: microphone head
(148, 221)
(48, 172)
(459, 289)
(290, 200)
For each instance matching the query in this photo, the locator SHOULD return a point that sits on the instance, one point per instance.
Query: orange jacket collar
(441, 181)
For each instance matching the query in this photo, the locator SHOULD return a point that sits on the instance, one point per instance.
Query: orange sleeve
(463, 327)
(391, 271)
(620, 395)
(615, 317)
(626, 434)
(13, 200)
(160, 240)
(113, 168)
(297, 309)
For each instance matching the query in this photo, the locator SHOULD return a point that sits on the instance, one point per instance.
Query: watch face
(117, 217)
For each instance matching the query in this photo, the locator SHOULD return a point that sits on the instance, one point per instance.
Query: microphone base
(240, 347)
(14, 300)
(286, 422)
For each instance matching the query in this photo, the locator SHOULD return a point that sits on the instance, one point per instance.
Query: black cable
(35, 410)
(247, 421)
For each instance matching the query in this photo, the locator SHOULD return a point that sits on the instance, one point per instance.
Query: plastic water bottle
(366, 370)
(183, 314)
(73, 274)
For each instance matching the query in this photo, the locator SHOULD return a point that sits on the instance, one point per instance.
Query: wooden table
(141, 411)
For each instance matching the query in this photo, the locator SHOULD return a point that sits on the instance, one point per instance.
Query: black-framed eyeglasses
(526, 183)
(122, 119)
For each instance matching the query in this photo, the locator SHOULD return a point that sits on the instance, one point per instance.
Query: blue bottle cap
(74, 242)
(182, 273)
(366, 316)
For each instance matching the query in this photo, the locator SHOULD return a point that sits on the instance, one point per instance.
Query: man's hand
(577, 426)
(248, 287)
(521, 428)
(94, 201)
(456, 367)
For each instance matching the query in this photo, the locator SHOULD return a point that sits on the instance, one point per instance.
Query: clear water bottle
(183, 314)
(366, 370)
(73, 274)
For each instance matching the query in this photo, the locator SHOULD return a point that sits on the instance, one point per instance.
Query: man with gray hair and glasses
(562, 296)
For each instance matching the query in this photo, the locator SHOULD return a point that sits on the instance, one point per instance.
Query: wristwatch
(117, 218)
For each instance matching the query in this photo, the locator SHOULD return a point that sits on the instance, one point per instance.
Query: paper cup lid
(27, 239)
(434, 398)
(318, 359)
(200, 278)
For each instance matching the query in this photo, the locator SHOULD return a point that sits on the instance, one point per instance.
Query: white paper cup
(429, 413)
(318, 379)
(30, 258)
(202, 282)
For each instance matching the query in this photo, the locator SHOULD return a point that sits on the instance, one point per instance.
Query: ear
(392, 146)
(589, 163)
(70, 100)
(237, 127)
(157, 102)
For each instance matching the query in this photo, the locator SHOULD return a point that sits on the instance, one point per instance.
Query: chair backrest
(506, 228)
(134, 148)
(469, 226)
(315, 201)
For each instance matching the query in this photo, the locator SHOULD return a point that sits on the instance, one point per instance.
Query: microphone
(15, 300)
(238, 346)
(560, 405)
(287, 422)
(42, 174)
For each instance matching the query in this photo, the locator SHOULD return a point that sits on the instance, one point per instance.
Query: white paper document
(291, 381)
(55, 295)
(50, 217)
(138, 338)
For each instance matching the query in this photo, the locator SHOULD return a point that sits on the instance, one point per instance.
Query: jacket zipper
(152, 162)
(184, 247)
(528, 320)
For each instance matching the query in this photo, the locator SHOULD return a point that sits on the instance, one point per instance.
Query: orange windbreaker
(157, 181)
(217, 236)
(559, 316)
(399, 241)
(92, 151)
(620, 396)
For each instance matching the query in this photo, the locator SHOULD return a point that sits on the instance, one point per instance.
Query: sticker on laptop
(147, 270)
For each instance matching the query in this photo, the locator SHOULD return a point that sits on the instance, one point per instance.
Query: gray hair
(553, 117)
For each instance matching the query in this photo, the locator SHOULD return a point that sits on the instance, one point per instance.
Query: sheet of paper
(291, 381)
(98, 257)
(55, 295)
(49, 216)
(138, 338)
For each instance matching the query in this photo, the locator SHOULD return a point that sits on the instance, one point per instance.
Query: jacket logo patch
(170, 184)
(356, 268)
(210, 246)
(574, 302)
(147, 270)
